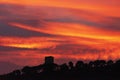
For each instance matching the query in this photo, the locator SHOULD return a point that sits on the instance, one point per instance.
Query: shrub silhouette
(94, 70)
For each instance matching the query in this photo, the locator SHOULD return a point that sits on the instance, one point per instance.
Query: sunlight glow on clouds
(80, 29)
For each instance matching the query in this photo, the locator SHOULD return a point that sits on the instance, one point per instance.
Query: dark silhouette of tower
(49, 60)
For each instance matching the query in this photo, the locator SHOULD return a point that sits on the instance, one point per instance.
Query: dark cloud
(32, 16)
(8, 30)
(73, 20)
(19, 14)
(8, 48)
(104, 22)
(114, 24)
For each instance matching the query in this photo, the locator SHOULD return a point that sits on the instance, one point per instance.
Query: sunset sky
(69, 30)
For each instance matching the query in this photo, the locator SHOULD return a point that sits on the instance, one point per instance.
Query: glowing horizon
(69, 30)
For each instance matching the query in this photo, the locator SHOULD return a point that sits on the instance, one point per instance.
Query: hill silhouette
(94, 70)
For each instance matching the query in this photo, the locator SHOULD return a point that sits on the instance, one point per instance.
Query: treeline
(99, 69)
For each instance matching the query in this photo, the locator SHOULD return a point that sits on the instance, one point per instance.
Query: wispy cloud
(29, 31)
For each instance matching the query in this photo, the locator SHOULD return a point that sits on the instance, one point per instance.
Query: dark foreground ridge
(94, 70)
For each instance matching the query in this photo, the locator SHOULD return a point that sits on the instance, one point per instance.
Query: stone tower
(49, 60)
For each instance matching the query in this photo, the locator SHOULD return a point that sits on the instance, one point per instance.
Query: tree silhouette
(71, 65)
(94, 70)
(64, 67)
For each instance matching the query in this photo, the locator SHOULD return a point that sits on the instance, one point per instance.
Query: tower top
(49, 59)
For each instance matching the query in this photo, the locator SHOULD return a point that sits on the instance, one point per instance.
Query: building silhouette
(94, 70)
(49, 60)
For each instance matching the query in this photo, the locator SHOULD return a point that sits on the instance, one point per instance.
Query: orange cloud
(79, 26)
(74, 30)
(106, 7)
(30, 43)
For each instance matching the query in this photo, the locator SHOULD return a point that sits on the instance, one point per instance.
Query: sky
(69, 30)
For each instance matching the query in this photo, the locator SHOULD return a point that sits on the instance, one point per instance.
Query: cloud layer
(30, 31)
